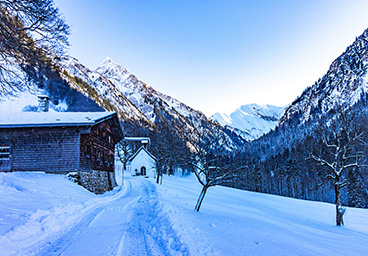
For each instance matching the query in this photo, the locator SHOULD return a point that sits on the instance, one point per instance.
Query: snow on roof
(139, 150)
(44, 119)
(141, 139)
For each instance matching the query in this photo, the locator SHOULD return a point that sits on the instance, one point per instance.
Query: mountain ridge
(254, 119)
(342, 86)
(115, 88)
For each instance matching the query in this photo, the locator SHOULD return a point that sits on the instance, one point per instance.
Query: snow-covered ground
(45, 214)
(237, 222)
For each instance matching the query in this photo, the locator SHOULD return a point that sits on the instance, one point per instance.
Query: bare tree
(211, 158)
(341, 153)
(124, 151)
(126, 147)
(30, 32)
(168, 148)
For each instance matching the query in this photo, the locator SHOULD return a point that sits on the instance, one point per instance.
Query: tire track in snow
(132, 223)
(60, 243)
(149, 231)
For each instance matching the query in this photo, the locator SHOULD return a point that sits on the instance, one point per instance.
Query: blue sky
(217, 55)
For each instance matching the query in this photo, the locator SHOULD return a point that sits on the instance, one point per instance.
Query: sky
(217, 55)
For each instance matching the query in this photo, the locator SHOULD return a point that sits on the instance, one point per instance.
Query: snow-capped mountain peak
(107, 61)
(253, 119)
(112, 69)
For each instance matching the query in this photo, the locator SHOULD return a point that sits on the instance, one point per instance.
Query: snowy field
(44, 214)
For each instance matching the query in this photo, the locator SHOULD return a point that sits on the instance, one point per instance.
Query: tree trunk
(200, 198)
(158, 177)
(339, 209)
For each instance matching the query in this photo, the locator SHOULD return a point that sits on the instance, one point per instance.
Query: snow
(235, 222)
(11, 119)
(135, 90)
(222, 118)
(21, 101)
(17, 102)
(342, 86)
(253, 119)
(46, 214)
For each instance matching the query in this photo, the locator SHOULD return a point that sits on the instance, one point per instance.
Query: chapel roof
(139, 150)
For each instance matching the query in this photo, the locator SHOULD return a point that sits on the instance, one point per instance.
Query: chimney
(43, 103)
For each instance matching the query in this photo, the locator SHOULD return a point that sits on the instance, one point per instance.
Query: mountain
(74, 87)
(317, 124)
(113, 86)
(255, 120)
(103, 90)
(344, 84)
(343, 89)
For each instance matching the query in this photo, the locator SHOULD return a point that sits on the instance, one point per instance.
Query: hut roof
(51, 119)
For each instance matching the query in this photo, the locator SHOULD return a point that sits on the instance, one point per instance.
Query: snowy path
(133, 223)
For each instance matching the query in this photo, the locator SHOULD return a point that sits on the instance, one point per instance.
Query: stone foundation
(97, 182)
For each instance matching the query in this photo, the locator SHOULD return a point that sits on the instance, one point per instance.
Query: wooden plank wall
(100, 142)
(43, 149)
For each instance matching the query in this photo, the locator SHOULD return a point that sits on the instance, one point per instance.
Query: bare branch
(327, 177)
(323, 162)
(30, 33)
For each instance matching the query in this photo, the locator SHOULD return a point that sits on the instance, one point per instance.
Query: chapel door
(143, 170)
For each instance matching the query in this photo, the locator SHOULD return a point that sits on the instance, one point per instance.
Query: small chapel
(142, 162)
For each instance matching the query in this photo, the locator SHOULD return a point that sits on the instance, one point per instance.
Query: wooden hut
(57, 142)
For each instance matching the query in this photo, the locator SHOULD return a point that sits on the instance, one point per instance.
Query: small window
(4, 152)
(5, 158)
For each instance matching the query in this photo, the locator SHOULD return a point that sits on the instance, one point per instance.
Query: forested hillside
(319, 146)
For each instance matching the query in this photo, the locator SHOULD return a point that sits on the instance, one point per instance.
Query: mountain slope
(74, 87)
(129, 96)
(144, 97)
(344, 84)
(113, 87)
(100, 89)
(280, 162)
(255, 120)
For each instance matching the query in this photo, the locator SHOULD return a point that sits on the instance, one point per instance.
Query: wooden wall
(59, 149)
(43, 149)
(98, 148)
